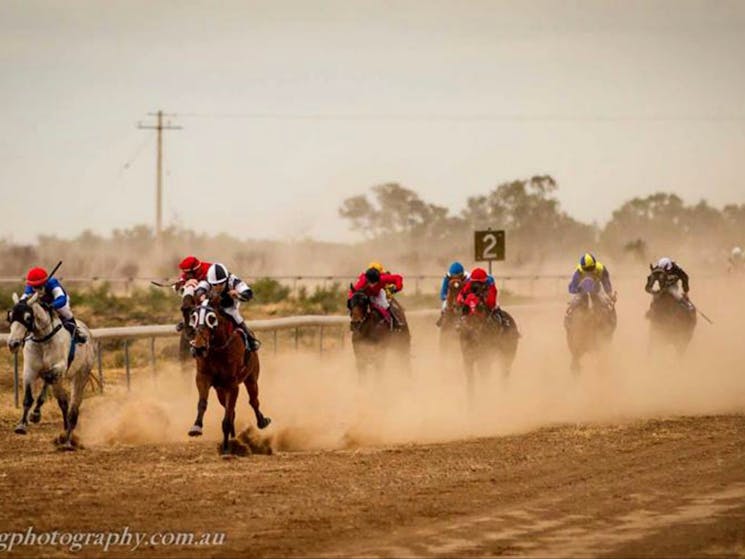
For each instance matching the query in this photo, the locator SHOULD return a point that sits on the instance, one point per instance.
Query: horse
(485, 336)
(448, 321)
(372, 336)
(670, 321)
(47, 346)
(589, 322)
(219, 349)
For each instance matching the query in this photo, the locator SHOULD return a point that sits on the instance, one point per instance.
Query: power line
(443, 117)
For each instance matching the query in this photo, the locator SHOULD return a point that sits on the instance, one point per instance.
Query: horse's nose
(13, 345)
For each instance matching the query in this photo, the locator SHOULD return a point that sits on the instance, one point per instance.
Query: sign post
(488, 246)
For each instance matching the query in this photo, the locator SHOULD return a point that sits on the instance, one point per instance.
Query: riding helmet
(189, 264)
(456, 269)
(36, 277)
(587, 262)
(478, 275)
(217, 274)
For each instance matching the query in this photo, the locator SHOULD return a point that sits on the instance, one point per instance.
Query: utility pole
(159, 166)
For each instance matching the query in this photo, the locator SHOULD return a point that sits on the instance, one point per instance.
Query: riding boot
(253, 343)
(72, 327)
(439, 320)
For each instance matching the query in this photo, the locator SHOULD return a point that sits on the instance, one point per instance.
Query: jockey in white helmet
(671, 278)
(736, 259)
(232, 291)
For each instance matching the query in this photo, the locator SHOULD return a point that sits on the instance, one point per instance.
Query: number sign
(489, 245)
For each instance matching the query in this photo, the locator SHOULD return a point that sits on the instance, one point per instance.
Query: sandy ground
(639, 454)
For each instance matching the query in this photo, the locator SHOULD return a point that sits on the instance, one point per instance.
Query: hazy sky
(289, 107)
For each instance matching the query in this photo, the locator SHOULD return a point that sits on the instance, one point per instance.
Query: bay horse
(589, 322)
(484, 338)
(372, 336)
(219, 349)
(448, 321)
(47, 346)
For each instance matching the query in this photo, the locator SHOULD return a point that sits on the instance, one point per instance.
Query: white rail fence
(130, 333)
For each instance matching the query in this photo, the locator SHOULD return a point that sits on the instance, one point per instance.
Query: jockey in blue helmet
(456, 270)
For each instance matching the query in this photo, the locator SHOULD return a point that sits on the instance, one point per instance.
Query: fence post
(275, 342)
(100, 366)
(297, 329)
(343, 331)
(152, 356)
(126, 361)
(320, 340)
(15, 379)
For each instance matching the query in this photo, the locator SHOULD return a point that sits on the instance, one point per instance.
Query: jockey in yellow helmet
(590, 267)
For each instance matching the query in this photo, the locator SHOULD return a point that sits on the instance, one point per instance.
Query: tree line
(410, 234)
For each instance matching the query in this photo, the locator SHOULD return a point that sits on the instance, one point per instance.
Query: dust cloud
(319, 402)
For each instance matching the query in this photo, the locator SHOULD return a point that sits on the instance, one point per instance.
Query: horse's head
(27, 316)
(359, 308)
(188, 303)
(474, 314)
(454, 286)
(204, 322)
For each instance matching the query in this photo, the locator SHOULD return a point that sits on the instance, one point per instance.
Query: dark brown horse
(486, 336)
(372, 336)
(220, 352)
(448, 321)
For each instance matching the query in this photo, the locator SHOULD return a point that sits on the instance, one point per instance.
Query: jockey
(191, 269)
(389, 289)
(455, 270)
(481, 287)
(374, 284)
(53, 294)
(232, 291)
(589, 266)
(667, 274)
(736, 260)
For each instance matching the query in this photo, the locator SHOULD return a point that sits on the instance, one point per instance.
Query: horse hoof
(66, 446)
(195, 431)
(227, 456)
(20, 429)
(35, 417)
(263, 422)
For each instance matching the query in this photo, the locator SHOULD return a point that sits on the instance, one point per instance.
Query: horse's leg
(28, 401)
(252, 385)
(230, 396)
(63, 400)
(79, 381)
(35, 416)
(29, 377)
(203, 387)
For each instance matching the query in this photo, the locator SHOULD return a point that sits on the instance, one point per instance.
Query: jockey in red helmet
(192, 268)
(53, 294)
(374, 284)
(480, 287)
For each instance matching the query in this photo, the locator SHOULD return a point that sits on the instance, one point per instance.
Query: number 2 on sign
(490, 246)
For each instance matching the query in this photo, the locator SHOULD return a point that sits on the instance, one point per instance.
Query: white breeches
(381, 300)
(234, 313)
(601, 296)
(65, 313)
(676, 291)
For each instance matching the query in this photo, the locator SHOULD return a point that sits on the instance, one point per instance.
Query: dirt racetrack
(642, 454)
